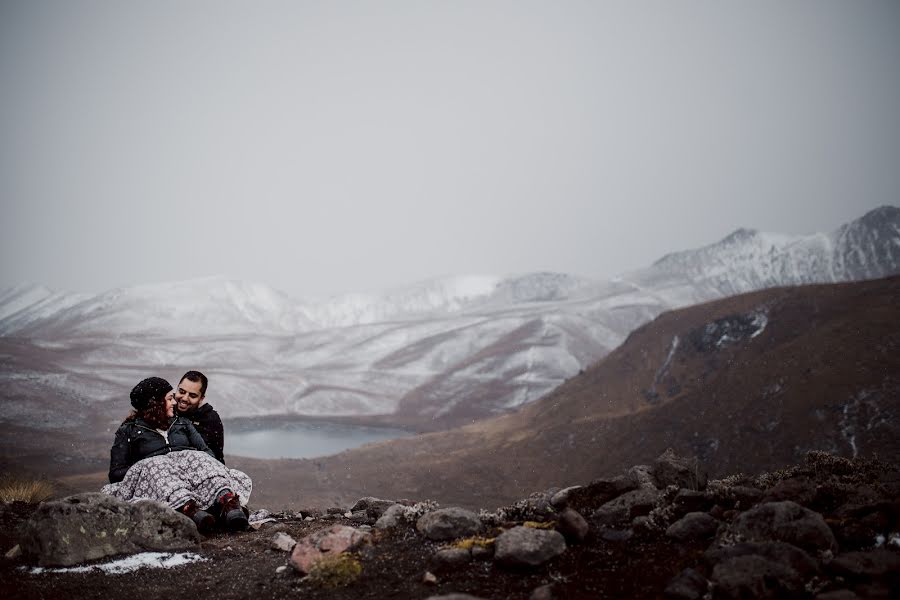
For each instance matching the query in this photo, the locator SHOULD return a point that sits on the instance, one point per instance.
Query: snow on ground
(151, 560)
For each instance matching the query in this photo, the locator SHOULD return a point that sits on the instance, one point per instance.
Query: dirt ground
(243, 565)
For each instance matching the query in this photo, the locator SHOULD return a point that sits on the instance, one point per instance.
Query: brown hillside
(754, 382)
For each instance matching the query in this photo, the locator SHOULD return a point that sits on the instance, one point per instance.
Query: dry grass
(20, 489)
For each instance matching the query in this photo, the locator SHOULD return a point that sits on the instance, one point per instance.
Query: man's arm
(119, 456)
(216, 436)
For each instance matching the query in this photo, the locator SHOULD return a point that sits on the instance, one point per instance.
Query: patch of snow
(152, 560)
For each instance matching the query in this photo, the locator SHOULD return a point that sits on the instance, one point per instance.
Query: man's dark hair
(196, 376)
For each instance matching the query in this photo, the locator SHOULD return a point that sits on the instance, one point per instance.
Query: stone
(561, 498)
(837, 595)
(448, 524)
(626, 507)
(281, 570)
(688, 585)
(528, 547)
(482, 552)
(865, 565)
(693, 526)
(544, 592)
(801, 490)
(447, 559)
(454, 597)
(14, 552)
(687, 501)
(429, 578)
(755, 577)
(784, 521)
(615, 535)
(572, 525)
(779, 552)
(283, 542)
(391, 517)
(745, 496)
(671, 469)
(640, 476)
(90, 526)
(374, 507)
(326, 542)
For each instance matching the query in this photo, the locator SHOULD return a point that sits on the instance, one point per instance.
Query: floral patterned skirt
(177, 477)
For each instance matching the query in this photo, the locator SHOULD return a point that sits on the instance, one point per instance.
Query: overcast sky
(327, 146)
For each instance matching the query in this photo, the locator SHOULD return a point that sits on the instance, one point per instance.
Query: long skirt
(177, 477)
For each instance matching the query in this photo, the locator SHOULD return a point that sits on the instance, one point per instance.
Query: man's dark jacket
(208, 423)
(136, 440)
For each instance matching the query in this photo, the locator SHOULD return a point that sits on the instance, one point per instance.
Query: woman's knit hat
(148, 390)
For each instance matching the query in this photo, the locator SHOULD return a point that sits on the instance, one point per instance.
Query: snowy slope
(452, 349)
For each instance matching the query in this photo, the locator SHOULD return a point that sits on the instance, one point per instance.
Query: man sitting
(190, 395)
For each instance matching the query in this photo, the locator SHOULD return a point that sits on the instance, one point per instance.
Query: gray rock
(282, 541)
(544, 592)
(615, 535)
(688, 585)
(561, 498)
(572, 525)
(375, 507)
(801, 490)
(693, 526)
(837, 595)
(480, 552)
(755, 577)
(90, 526)
(392, 516)
(687, 501)
(866, 565)
(640, 476)
(785, 522)
(626, 507)
(528, 547)
(671, 469)
(454, 597)
(448, 524)
(745, 496)
(447, 559)
(779, 552)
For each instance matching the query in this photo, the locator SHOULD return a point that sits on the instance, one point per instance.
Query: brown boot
(204, 521)
(232, 514)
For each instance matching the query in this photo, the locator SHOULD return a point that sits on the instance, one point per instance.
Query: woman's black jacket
(135, 440)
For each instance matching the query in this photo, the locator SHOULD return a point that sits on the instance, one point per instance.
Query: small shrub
(18, 489)
(539, 524)
(468, 543)
(335, 571)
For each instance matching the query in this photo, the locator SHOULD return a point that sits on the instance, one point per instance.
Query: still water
(301, 439)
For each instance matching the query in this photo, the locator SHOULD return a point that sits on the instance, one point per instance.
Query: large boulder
(325, 543)
(449, 524)
(374, 507)
(528, 547)
(627, 506)
(755, 577)
(785, 522)
(90, 526)
(693, 526)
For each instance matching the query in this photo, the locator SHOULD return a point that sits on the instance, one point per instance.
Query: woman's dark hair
(155, 414)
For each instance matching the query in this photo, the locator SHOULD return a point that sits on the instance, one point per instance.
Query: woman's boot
(204, 521)
(232, 514)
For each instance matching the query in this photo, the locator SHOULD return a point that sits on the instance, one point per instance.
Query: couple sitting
(161, 456)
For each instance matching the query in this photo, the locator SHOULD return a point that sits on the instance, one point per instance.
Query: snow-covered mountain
(443, 352)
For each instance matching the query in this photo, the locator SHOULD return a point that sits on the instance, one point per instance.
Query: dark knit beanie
(148, 390)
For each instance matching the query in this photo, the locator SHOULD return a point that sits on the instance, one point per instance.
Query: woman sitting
(159, 456)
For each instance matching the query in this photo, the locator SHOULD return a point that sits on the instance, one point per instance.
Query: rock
(626, 507)
(573, 526)
(561, 498)
(374, 507)
(281, 570)
(90, 526)
(454, 597)
(639, 476)
(615, 535)
(429, 578)
(259, 515)
(688, 585)
(284, 542)
(391, 517)
(360, 516)
(447, 559)
(746, 497)
(528, 547)
(687, 501)
(537, 506)
(482, 552)
(801, 490)
(693, 526)
(14, 552)
(837, 595)
(544, 592)
(448, 524)
(326, 542)
(755, 577)
(779, 552)
(786, 522)
(866, 565)
(671, 469)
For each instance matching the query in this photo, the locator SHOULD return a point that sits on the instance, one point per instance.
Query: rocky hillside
(746, 384)
(824, 529)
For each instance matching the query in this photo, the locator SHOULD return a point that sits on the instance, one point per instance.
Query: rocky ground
(825, 529)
